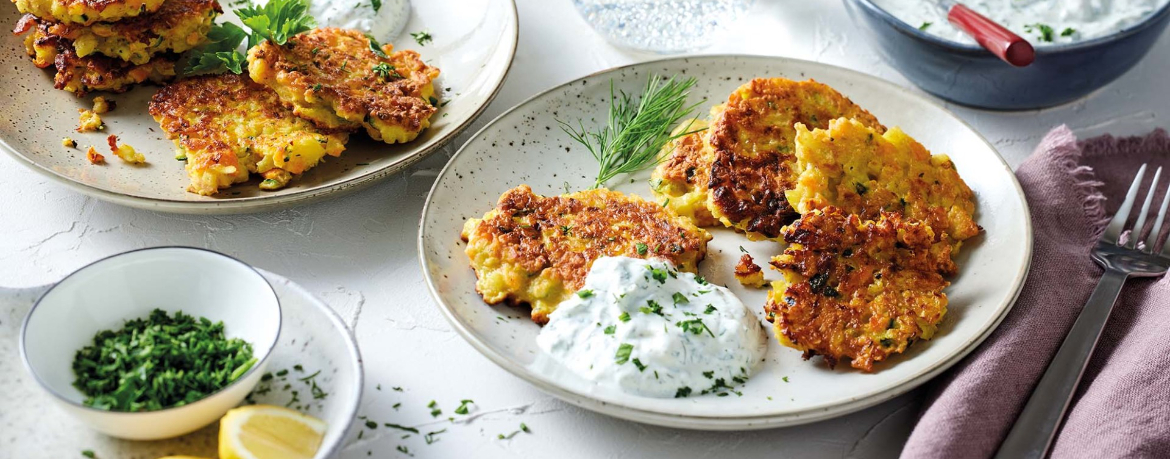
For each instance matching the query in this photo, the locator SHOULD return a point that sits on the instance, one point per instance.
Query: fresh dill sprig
(635, 131)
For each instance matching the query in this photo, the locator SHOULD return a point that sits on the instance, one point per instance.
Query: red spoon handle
(995, 38)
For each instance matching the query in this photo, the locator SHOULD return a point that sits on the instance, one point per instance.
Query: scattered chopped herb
(624, 316)
(585, 293)
(695, 326)
(396, 426)
(158, 362)
(680, 298)
(435, 411)
(658, 274)
(463, 409)
(422, 37)
(371, 425)
(641, 248)
(652, 307)
(1068, 32)
(638, 363)
(610, 329)
(375, 47)
(924, 26)
(785, 379)
(710, 309)
(88, 453)
(1046, 32)
(684, 391)
(430, 436)
(404, 450)
(386, 71)
(377, 5)
(623, 353)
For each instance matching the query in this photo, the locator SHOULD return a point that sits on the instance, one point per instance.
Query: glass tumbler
(661, 26)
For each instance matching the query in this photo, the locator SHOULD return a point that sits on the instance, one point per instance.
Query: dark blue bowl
(970, 75)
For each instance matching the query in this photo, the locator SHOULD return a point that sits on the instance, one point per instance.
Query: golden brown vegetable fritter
(87, 11)
(333, 77)
(227, 126)
(862, 171)
(679, 182)
(178, 26)
(81, 75)
(537, 250)
(752, 144)
(857, 289)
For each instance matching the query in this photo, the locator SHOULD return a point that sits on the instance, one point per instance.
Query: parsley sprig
(635, 130)
(276, 21)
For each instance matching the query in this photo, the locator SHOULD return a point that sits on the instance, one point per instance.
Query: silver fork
(1034, 430)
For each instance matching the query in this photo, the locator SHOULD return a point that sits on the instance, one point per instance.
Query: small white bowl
(106, 293)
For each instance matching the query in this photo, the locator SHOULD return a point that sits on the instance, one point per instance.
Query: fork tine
(1141, 219)
(1113, 231)
(1152, 240)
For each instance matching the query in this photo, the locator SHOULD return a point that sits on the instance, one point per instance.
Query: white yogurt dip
(383, 23)
(644, 328)
(1042, 22)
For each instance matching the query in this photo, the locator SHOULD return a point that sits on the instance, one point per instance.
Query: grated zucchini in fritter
(178, 26)
(752, 143)
(857, 289)
(227, 126)
(537, 250)
(863, 171)
(333, 77)
(87, 11)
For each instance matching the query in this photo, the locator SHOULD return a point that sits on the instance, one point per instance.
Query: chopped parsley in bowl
(159, 362)
(152, 343)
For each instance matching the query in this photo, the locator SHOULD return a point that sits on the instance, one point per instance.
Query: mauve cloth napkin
(1122, 408)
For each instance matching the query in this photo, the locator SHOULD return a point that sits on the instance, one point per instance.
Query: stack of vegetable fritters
(871, 219)
(110, 45)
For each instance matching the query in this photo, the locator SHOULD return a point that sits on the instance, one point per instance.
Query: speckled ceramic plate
(524, 145)
(312, 336)
(473, 50)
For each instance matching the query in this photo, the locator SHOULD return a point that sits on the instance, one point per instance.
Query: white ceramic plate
(311, 335)
(524, 145)
(472, 49)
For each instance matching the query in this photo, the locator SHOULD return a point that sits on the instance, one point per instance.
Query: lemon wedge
(269, 432)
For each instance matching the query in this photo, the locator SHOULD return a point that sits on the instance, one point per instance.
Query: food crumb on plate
(94, 157)
(101, 105)
(69, 143)
(748, 273)
(89, 121)
(125, 151)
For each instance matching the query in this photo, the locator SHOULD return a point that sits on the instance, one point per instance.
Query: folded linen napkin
(1122, 408)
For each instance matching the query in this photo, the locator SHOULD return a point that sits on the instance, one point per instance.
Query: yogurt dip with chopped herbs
(384, 19)
(647, 329)
(1042, 22)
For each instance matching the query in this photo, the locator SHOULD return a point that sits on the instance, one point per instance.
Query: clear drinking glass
(661, 26)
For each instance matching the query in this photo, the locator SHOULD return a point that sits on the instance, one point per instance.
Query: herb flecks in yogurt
(1042, 22)
(648, 329)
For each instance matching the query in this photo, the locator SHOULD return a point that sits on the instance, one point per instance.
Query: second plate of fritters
(537, 250)
(752, 149)
(334, 78)
(857, 290)
(227, 126)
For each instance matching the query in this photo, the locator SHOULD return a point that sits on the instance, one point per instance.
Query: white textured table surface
(358, 253)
